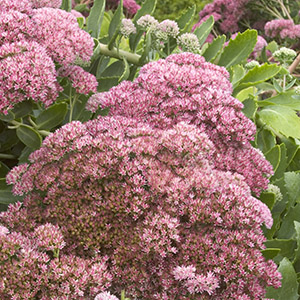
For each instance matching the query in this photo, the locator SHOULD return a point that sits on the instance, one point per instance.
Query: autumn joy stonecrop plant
(159, 193)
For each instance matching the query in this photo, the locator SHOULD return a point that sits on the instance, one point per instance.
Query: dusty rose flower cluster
(226, 12)
(186, 88)
(34, 36)
(28, 271)
(282, 28)
(152, 197)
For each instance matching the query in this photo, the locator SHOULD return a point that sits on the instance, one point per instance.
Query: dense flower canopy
(184, 87)
(153, 202)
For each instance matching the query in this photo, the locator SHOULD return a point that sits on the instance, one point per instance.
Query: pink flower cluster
(186, 88)
(149, 199)
(28, 272)
(26, 71)
(32, 40)
(226, 12)
(81, 80)
(282, 28)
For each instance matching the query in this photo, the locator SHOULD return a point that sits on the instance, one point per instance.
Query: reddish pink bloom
(26, 72)
(59, 33)
(81, 80)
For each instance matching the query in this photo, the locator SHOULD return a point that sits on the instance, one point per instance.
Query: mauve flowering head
(49, 237)
(59, 32)
(131, 6)
(83, 81)
(46, 3)
(106, 296)
(274, 28)
(184, 87)
(15, 26)
(151, 200)
(24, 6)
(227, 13)
(26, 72)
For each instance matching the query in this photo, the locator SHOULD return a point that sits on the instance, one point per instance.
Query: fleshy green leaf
(204, 30)
(286, 246)
(185, 20)
(115, 24)
(95, 18)
(285, 99)
(8, 139)
(237, 72)
(268, 198)
(147, 48)
(296, 260)
(29, 136)
(126, 72)
(238, 49)
(289, 284)
(270, 253)
(287, 229)
(66, 5)
(6, 197)
(8, 117)
(265, 140)
(250, 108)
(258, 75)
(4, 169)
(282, 119)
(22, 109)
(214, 48)
(273, 156)
(52, 116)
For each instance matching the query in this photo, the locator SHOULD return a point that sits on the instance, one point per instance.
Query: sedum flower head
(169, 28)
(284, 54)
(24, 6)
(46, 3)
(26, 72)
(186, 88)
(189, 42)
(49, 237)
(59, 32)
(149, 199)
(147, 21)
(14, 27)
(81, 80)
(127, 27)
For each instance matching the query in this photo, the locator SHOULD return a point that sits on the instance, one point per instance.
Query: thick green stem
(119, 54)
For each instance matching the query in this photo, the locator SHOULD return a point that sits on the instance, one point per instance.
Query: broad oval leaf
(204, 30)
(7, 197)
(147, 8)
(281, 119)
(115, 24)
(214, 48)
(95, 18)
(66, 5)
(289, 284)
(238, 49)
(52, 116)
(186, 19)
(8, 117)
(28, 136)
(258, 75)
